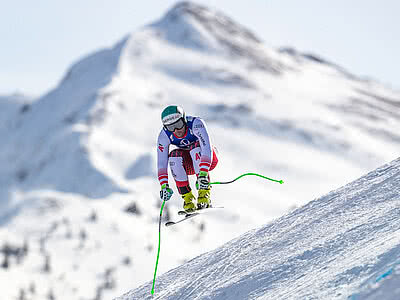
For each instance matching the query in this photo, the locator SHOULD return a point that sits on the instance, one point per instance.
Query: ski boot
(203, 200)
(188, 205)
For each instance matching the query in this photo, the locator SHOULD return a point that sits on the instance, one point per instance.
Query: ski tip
(169, 223)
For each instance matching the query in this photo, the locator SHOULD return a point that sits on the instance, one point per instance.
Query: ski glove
(166, 192)
(202, 182)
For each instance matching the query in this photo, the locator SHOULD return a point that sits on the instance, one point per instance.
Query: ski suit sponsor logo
(184, 143)
(173, 173)
(161, 147)
(202, 139)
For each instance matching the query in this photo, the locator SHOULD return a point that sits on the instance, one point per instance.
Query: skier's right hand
(166, 192)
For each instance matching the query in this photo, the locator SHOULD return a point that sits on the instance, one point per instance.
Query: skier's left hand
(202, 182)
(166, 192)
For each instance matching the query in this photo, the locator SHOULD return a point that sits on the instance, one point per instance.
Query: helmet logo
(171, 118)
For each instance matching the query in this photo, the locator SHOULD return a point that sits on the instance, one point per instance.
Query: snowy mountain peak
(195, 26)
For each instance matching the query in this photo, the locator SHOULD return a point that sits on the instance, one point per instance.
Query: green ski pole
(246, 174)
(159, 244)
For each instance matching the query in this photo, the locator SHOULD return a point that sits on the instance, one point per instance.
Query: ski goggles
(177, 125)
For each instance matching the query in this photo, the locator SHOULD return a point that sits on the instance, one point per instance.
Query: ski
(189, 215)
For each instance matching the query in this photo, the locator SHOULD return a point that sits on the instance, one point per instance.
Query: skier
(194, 154)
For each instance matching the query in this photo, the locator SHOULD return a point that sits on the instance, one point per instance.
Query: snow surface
(79, 196)
(343, 245)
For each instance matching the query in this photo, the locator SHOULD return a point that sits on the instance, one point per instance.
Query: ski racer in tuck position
(193, 155)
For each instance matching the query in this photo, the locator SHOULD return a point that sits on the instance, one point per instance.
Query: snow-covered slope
(331, 248)
(10, 105)
(81, 159)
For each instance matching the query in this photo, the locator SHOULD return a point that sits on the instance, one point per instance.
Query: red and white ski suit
(193, 153)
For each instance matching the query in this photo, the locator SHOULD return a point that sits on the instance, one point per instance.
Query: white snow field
(79, 196)
(343, 245)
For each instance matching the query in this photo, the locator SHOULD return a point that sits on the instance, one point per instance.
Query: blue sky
(40, 39)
